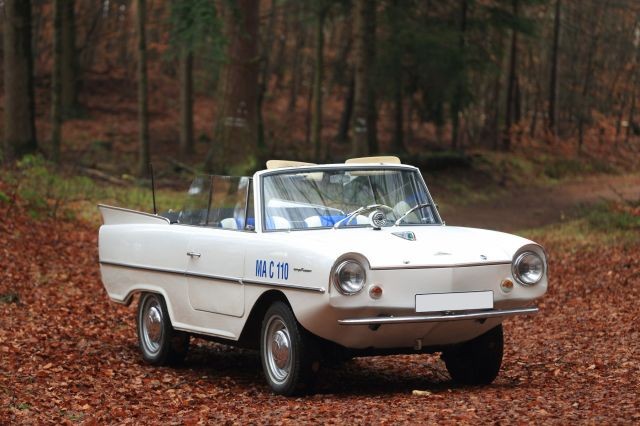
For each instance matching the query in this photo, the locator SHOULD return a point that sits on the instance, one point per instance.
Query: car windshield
(343, 198)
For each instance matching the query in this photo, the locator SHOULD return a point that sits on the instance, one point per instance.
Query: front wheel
(288, 360)
(478, 361)
(159, 343)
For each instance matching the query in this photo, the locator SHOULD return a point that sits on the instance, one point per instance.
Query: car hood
(433, 245)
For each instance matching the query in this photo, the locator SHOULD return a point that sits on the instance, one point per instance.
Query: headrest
(382, 159)
(278, 164)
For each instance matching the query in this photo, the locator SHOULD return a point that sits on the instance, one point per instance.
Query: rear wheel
(286, 351)
(159, 343)
(478, 361)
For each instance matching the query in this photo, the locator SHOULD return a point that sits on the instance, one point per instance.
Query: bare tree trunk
(281, 49)
(19, 102)
(363, 51)
(296, 66)
(495, 117)
(69, 70)
(512, 85)
(186, 102)
(56, 86)
(307, 117)
(237, 129)
(263, 81)
(372, 110)
(630, 121)
(347, 112)
(341, 73)
(144, 157)
(620, 115)
(397, 75)
(585, 104)
(409, 123)
(553, 78)
(534, 119)
(456, 105)
(320, 151)
(397, 142)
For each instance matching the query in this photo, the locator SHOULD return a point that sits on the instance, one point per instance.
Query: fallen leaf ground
(68, 355)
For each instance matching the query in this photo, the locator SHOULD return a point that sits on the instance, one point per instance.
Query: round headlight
(528, 268)
(349, 277)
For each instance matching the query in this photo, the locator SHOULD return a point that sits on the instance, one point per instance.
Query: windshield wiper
(411, 210)
(354, 213)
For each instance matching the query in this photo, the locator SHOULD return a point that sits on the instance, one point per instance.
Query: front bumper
(439, 317)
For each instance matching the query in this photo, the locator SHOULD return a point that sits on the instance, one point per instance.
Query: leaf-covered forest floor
(68, 355)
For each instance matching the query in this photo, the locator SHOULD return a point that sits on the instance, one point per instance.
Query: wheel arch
(250, 335)
(138, 290)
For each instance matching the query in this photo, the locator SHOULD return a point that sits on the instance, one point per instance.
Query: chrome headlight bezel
(518, 259)
(340, 283)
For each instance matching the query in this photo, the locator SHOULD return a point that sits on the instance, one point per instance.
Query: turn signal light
(506, 285)
(375, 291)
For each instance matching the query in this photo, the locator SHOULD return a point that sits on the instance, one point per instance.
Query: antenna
(153, 189)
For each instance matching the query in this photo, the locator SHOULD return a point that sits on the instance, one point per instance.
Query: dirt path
(534, 207)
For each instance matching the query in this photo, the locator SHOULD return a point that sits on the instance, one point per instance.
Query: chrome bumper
(439, 317)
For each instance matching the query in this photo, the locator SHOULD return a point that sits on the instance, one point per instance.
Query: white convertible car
(311, 263)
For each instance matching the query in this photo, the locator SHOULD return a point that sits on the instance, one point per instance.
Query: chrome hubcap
(152, 331)
(277, 350)
(280, 348)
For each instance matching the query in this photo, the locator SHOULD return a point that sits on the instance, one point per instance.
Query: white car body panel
(213, 290)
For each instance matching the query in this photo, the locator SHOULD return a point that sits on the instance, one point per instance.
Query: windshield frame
(347, 167)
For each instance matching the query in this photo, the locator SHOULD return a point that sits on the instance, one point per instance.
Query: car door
(216, 250)
(214, 269)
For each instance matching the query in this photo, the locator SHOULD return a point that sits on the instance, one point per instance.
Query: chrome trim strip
(438, 317)
(171, 271)
(211, 277)
(290, 286)
(452, 265)
(134, 211)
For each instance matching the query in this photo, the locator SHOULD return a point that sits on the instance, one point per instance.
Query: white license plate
(436, 302)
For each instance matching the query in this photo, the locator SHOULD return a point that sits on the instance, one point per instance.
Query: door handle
(192, 254)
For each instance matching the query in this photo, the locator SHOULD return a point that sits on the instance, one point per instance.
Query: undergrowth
(605, 223)
(46, 191)
(462, 178)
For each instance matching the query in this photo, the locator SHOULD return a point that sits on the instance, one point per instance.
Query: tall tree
(19, 101)
(320, 150)
(56, 84)
(195, 29)
(144, 157)
(186, 101)
(364, 117)
(345, 118)
(553, 77)
(265, 74)
(460, 89)
(511, 111)
(69, 62)
(236, 129)
(391, 57)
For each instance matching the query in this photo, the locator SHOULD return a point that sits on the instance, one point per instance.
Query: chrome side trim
(122, 209)
(211, 277)
(170, 271)
(290, 286)
(438, 317)
(451, 265)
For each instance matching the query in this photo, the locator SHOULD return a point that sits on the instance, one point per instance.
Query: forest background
(113, 85)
